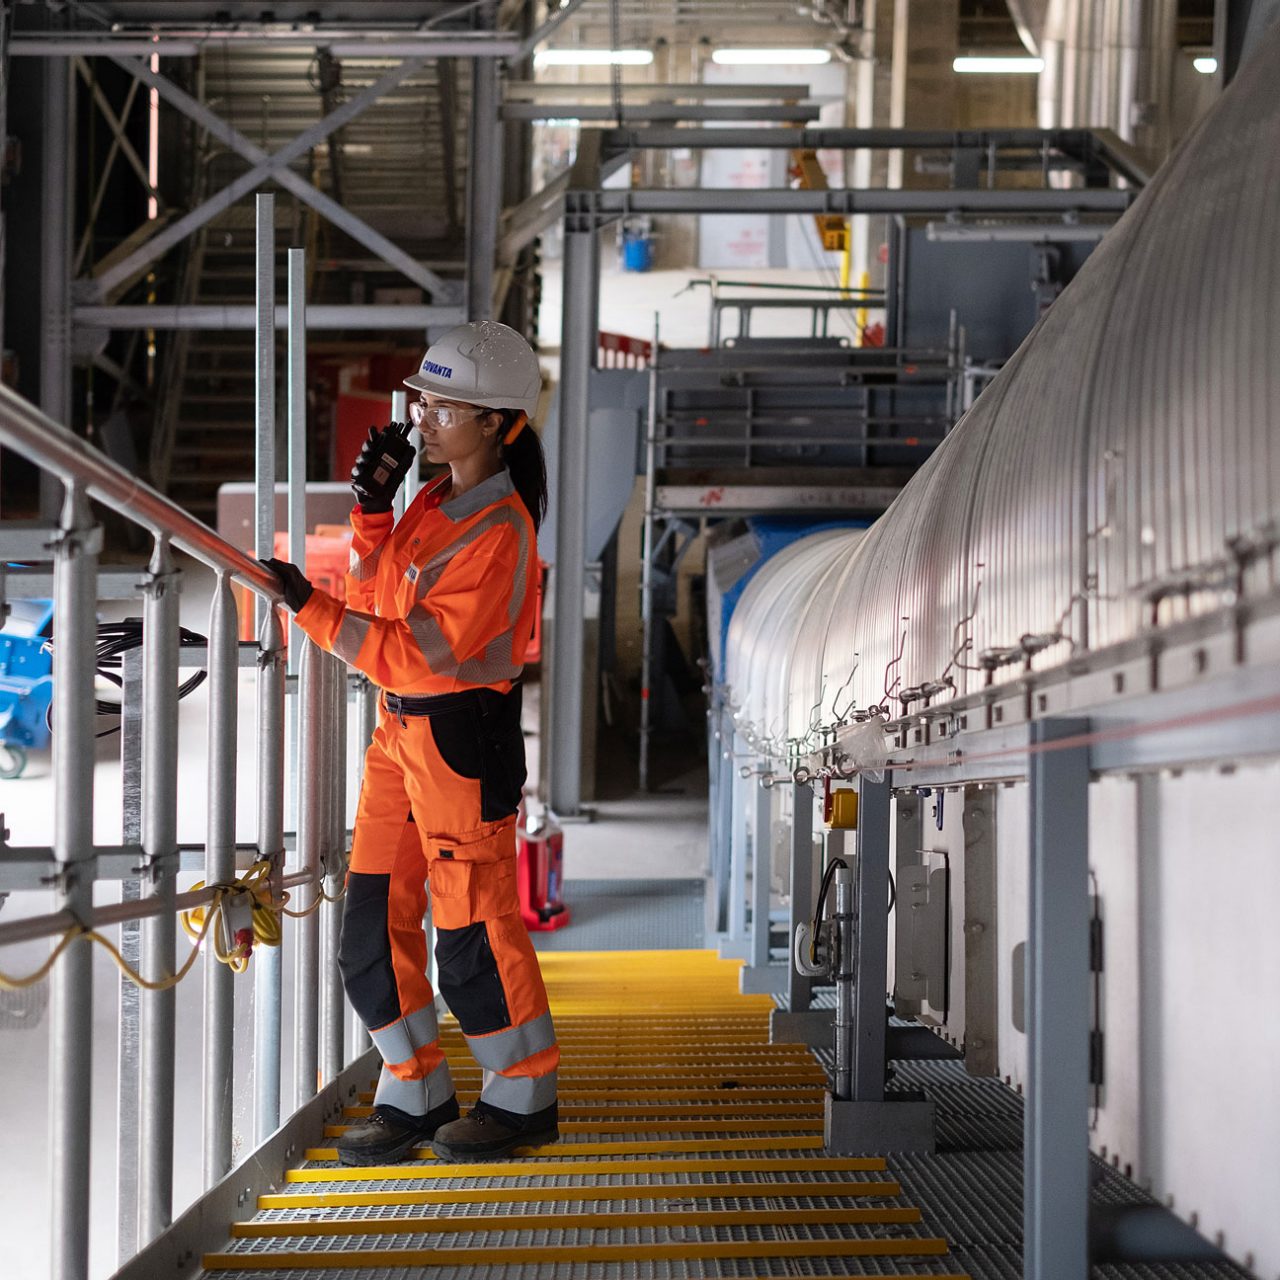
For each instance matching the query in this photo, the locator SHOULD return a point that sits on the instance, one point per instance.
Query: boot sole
(392, 1155)
(456, 1156)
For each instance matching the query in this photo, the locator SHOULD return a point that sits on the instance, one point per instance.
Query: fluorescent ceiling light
(593, 58)
(770, 57)
(998, 65)
(1205, 66)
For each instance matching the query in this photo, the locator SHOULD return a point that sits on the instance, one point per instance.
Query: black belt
(428, 705)
(436, 704)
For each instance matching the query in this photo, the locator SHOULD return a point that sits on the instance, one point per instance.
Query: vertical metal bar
(220, 868)
(872, 955)
(738, 788)
(484, 187)
(399, 413)
(800, 988)
(335, 860)
(56, 210)
(1056, 1187)
(314, 746)
(846, 977)
(724, 823)
(646, 564)
(761, 874)
(267, 990)
(130, 949)
(297, 420)
(264, 388)
(160, 850)
(75, 567)
(577, 353)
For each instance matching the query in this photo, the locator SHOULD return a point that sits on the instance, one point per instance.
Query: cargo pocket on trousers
(451, 904)
(491, 863)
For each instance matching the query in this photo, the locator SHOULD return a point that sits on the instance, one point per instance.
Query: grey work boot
(389, 1134)
(489, 1134)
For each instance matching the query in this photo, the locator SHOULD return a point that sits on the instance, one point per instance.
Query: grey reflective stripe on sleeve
(493, 664)
(430, 640)
(503, 1049)
(364, 569)
(522, 1094)
(398, 1040)
(351, 635)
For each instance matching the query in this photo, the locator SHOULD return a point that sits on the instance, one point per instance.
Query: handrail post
(71, 1020)
(220, 868)
(267, 990)
(314, 745)
(334, 862)
(160, 847)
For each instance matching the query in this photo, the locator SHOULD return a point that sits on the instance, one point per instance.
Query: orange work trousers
(437, 807)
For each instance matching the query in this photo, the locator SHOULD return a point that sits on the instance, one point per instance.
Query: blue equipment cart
(26, 683)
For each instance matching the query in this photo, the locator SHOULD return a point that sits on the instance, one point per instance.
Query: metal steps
(690, 1147)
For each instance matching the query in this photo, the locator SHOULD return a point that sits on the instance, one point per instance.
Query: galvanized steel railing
(74, 863)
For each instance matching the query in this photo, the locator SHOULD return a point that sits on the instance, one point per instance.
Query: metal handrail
(36, 436)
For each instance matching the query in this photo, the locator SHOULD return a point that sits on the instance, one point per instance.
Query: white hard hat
(484, 363)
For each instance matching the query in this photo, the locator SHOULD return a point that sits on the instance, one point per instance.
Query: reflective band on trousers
(397, 1041)
(503, 1049)
(522, 1094)
(414, 1097)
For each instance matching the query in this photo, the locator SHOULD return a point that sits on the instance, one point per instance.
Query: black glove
(380, 469)
(293, 583)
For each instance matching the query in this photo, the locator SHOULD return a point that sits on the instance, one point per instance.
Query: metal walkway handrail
(147, 860)
(28, 431)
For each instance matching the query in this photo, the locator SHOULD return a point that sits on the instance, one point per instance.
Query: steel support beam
(803, 889)
(275, 168)
(662, 111)
(1056, 1187)
(872, 894)
(580, 327)
(761, 875)
(56, 206)
(244, 316)
(484, 187)
(350, 44)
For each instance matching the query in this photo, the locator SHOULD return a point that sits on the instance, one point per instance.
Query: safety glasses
(443, 416)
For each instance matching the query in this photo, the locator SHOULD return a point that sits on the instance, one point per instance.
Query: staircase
(691, 1148)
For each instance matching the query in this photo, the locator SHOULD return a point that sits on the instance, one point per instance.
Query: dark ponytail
(524, 459)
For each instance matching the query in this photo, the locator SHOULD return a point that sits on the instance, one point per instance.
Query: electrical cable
(827, 876)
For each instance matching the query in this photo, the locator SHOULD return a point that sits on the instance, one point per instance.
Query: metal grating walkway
(691, 1149)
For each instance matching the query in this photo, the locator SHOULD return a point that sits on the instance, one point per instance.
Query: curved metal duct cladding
(1120, 474)
(765, 653)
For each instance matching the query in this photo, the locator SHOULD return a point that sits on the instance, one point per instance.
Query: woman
(439, 613)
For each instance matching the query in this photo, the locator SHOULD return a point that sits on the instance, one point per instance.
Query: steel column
(314, 747)
(267, 988)
(761, 875)
(160, 848)
(803, 890)
(335, 858)
(484, 187)
(737, 845)
(220, 868)
(1056, 1189)
(577, 355)
(56, 205)
(646, 563)
(847, 986)
(71, 984)
(872, 894)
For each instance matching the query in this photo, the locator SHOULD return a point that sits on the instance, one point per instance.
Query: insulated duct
(1119, 475)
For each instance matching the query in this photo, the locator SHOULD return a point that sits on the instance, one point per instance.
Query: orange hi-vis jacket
(442, 601)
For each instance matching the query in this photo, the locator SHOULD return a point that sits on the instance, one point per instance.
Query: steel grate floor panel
(753, 1197)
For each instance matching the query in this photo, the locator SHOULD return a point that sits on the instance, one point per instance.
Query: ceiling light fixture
(1205, 66)
(593, 58)
(770, 57)
(998, 65)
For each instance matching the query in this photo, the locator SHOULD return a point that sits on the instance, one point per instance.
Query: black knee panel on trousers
(469, 980)
(364, 952)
